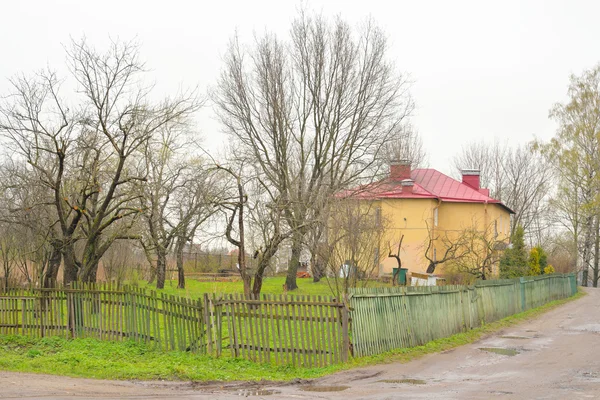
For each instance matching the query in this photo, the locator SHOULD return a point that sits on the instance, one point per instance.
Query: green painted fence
(384, 319)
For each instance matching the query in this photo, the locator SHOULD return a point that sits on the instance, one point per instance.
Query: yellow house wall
(412, 217)
(407, 217)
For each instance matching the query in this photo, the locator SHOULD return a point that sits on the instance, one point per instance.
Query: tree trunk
(70, 264)
(161, 268)
(53, 267)
(90, 260)
(317, 271)
(152, 276)
(596, 251)
(179, 256)
(587, 253)
(290, 280)
(91, 271)
(258, 281)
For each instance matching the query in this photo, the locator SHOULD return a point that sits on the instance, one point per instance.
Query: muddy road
(556, 356)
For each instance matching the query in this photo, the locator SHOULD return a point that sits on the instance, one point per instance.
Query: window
(434, 255)
(378, 217)
(435, 216)
(496, 229)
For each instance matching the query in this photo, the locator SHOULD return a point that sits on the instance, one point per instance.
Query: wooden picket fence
(289, 330)
(384, 319)
(310, 331)
(105, 312)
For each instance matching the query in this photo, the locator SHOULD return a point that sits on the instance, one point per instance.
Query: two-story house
(431, 211)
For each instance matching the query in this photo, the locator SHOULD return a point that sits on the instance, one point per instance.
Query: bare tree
(405, 144)
(175, 198)
(311, 114)
(117, 261)
(87, 155)
(8, 255)
(23, 210)
(518, 176)
(453, 247)
(355, 235)
(197, 202)
(482, 252)
(489, 160)
(267, 219)
(398, 257)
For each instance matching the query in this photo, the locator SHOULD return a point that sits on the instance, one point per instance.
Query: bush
(513, 263)
(549, 269)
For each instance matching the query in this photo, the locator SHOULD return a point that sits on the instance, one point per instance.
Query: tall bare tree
(176, 197)
(519, 176)
(312, 113)
(87, 151)
(22, 208)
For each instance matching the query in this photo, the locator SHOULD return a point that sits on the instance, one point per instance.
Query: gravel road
(556, 356)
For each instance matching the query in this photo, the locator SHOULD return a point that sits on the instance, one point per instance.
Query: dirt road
(556, 356)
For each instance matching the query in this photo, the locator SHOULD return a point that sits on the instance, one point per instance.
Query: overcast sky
(482, 70)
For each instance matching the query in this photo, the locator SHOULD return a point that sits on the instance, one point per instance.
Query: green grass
(92, 358)
(271, 285)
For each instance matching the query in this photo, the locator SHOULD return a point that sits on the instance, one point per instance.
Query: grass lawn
(92, 358)
(271, 285)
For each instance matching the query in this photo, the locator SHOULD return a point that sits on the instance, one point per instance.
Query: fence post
(521, 282)
(345, 329)
(70, 312)
(219, 326)
(466, 309)
(208, 324)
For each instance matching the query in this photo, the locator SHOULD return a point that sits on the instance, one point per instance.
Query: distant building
(425, 206)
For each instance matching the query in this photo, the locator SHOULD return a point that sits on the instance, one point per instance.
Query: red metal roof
(429, 184)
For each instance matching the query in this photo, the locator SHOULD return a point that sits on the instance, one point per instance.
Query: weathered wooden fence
(306, 331)
(389, 318)
(105, 312)
(290, 330)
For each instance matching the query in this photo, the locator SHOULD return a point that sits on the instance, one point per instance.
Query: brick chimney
(407, 185)
(470, 177)
(400, 170)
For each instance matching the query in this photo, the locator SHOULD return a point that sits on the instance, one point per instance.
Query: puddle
(594, 328)
(515, 337)
(323, 388)
(257, 392)
(409, 381)
(501, 351)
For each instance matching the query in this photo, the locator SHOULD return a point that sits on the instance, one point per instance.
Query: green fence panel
(384, 319)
